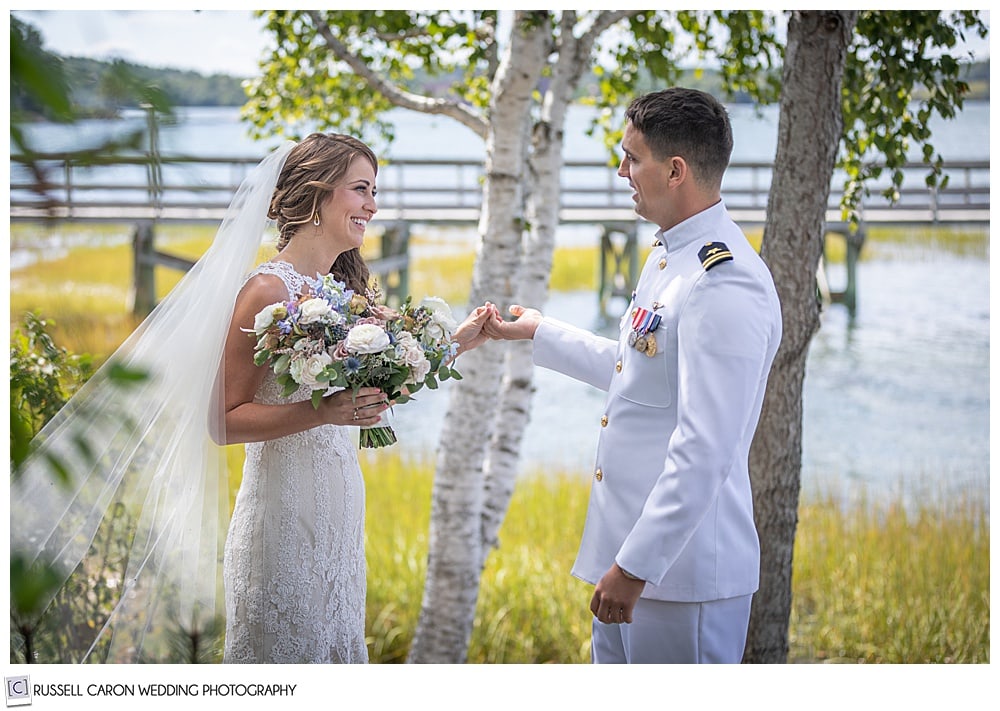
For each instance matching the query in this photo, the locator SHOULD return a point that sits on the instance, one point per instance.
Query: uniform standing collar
(692, 229)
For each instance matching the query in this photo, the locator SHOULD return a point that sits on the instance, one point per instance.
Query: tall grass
(893, 583)
(874, 583)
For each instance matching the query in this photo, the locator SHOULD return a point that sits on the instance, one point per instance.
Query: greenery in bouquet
(332, 338)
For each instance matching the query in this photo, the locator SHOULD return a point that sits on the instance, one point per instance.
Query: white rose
(305, 370)
(366, 338)
(314, 310)
(440, 313)
(404, 342)
(267, 316)
(434, 333)
(419, 370)
(442, 323)
(414, 357)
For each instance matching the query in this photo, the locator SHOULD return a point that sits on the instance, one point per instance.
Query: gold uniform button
(604, 421)
(663, 264)
(598, 474)
(618, 367)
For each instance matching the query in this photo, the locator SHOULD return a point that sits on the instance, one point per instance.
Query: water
(217, 131)
(901, 398)
(895, 401)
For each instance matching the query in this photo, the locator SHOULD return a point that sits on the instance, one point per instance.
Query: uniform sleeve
(574, 352)
(724, 333)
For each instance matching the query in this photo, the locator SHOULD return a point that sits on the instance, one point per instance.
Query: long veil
(147, 484)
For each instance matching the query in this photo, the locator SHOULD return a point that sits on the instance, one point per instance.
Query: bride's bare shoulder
(260, 290)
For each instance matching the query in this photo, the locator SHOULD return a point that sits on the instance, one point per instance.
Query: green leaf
(127, 375)
(261, 357)
(31, 586)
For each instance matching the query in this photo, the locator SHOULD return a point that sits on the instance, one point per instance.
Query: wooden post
(393, 265)
(848, 296)
(143, 294)
(855, 241)
(619, 264)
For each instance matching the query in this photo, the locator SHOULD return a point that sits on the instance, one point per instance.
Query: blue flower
(352, 365)
(285, 326)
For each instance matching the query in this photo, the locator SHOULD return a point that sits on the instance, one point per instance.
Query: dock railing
(150, 189)
(190, 188)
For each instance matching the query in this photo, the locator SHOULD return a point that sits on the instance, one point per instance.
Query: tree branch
(394, 93)
(604, 20)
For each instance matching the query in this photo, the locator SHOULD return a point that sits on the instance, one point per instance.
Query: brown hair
(688, 123)
(311, 171)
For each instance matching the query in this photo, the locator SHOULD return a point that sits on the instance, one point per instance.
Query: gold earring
(316, 218)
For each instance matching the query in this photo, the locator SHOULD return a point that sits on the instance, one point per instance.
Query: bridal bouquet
(334, 338)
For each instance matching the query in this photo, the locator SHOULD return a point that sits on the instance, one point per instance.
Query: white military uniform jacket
(670, 499)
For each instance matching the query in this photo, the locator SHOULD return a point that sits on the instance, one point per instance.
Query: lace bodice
(295, 566)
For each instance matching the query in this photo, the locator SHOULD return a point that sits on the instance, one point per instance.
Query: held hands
(486, 323)
(522, 328)
(470, 333)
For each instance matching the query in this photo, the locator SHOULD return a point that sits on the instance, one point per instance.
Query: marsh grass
(892, 583)
(884, 242)
(872, 583)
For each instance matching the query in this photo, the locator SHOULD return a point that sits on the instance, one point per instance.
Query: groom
(669, 540)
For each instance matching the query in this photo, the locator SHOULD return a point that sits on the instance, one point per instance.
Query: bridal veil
(143, 465)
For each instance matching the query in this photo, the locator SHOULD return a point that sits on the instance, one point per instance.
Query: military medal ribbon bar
(644, 322)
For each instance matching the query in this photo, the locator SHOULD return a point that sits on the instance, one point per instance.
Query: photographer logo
(18, 691)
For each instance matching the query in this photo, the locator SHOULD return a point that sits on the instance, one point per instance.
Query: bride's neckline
(281, 263)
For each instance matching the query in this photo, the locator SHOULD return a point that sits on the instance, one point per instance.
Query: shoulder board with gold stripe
(714, 253)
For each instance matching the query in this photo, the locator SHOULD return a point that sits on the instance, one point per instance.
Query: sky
(208, 41)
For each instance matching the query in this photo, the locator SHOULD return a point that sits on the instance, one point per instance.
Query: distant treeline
(88, 79)
(92, 85)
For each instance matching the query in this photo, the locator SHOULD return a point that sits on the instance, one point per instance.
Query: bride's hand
(470, 333)
(346, 408)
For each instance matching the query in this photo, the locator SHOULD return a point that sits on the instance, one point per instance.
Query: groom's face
(648, 177)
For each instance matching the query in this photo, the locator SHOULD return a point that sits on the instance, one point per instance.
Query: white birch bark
(456, 553)
(572, 59)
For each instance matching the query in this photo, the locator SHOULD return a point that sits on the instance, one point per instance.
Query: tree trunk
(456, 554)
(542, 204)
(810, 127)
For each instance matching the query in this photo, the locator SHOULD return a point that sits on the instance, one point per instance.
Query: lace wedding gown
(294, 565)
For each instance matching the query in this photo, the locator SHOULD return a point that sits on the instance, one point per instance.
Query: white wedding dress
(294, 566)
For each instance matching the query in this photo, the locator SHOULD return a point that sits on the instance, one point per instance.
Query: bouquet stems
(378, 435)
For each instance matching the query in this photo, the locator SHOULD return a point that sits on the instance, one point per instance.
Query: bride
(293, 561)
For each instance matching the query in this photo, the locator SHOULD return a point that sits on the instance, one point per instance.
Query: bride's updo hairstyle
(311, 172)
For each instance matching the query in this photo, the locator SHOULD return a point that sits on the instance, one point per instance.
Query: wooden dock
(147, 190)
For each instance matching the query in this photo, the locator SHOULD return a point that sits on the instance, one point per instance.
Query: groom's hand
(615, 596)
(523, 327)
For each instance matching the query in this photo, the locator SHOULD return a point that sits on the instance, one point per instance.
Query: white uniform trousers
(661, 632)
